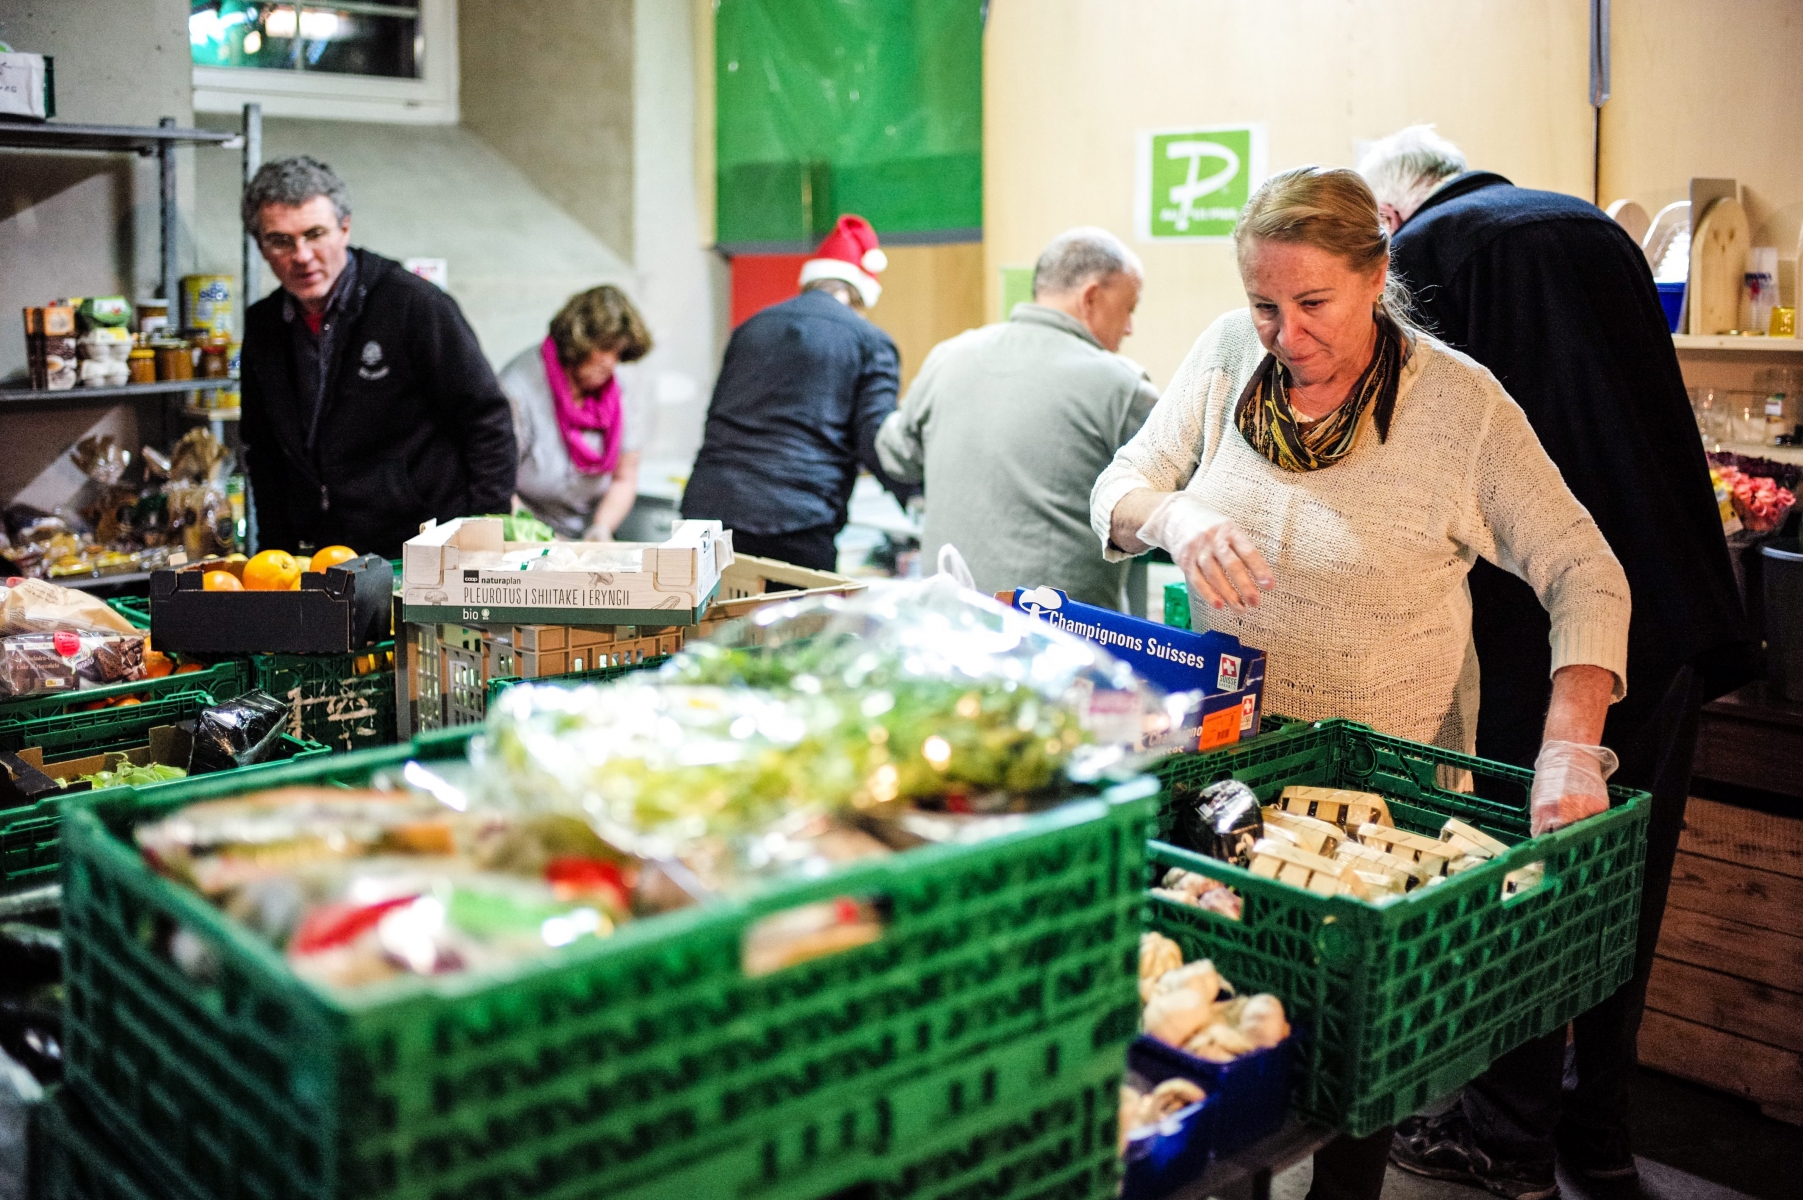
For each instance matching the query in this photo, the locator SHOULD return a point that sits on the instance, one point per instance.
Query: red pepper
(339, 924)
(573, 875)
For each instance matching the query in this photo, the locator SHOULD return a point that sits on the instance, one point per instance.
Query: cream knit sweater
(1371, 615)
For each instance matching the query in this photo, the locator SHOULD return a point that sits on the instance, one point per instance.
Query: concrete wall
(515, 252)
(550, 87)
(514, 255)
(1069, 83)
(682, 285)
(76, 224)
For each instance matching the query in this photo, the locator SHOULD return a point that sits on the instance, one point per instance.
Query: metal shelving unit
(145, 139)
(160, 140)
(102, 397)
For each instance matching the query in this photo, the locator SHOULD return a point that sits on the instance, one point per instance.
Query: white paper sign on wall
(432, 270)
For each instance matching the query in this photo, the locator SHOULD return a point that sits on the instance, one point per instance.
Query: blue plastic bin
(1671, 298)
(1247, 1099)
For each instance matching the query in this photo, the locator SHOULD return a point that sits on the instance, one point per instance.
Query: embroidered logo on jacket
(373, 367)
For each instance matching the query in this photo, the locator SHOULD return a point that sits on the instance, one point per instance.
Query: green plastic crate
(332, 704)
(222, 681)
(598, 675)
(73, 1160)
(59, 724)
(614, 1063)
(1034, 1116)
(135, 609)
(1176, 604)
(28, 833)
(1407, 1000)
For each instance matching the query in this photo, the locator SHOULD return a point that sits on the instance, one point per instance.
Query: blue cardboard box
(1229, 674)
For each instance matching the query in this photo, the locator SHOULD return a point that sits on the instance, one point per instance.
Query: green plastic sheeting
(826, 107)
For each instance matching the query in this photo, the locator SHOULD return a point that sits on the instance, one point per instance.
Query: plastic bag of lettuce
(849, 714)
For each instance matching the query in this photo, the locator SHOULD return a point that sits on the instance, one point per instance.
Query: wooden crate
(745, 588)
(1725, 1004)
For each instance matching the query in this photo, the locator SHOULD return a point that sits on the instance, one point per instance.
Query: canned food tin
(207, 303)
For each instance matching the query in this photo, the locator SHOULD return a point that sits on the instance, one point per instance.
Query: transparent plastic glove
(1218, 559)
(1570, 783)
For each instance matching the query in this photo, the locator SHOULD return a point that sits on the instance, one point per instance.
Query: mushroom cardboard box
(464, 572)
(1229, 675)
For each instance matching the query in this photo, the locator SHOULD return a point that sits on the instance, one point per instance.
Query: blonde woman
(1326, 474)
(579, 430)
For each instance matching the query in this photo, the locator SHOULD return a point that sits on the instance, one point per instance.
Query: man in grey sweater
(1008, 426)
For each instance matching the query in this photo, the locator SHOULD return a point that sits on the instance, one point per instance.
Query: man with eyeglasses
(368, 406)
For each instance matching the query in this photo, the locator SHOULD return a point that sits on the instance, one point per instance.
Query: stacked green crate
(72, 1160)
(975, 1044)
(65, 726)
(342, 701)
(1405, 1000)
(598, 675)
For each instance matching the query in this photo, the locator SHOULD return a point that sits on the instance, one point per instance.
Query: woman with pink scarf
(577, 428)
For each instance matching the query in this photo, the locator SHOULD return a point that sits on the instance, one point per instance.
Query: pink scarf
(590, 425)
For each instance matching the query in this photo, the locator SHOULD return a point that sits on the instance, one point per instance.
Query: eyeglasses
(284, 245)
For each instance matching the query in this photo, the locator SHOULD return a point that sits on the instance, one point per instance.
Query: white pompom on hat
(849, 253)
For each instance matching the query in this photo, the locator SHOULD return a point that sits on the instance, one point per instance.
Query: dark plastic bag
(237, 733)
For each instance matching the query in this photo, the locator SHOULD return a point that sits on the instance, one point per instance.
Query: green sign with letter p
(1194, 182)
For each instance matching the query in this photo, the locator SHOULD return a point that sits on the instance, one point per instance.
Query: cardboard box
(27, 85)
(1229, 674)
(448, 575)
(167, 744)
(343, 609)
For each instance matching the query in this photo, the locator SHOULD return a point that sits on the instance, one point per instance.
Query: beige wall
(930, 293)
(1069, 83)
(552, 93)
(1709, 88)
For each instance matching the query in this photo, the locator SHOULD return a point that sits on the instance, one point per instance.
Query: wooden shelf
(93, 397)
(211, 414)
(144, 139)
(1743, 345)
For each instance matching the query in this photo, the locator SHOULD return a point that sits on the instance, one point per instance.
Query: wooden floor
(1725, 1005)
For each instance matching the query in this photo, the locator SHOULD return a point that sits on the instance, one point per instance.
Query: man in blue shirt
(802, 392)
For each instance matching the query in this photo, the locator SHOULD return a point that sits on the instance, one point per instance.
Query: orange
(220, 581)
(331, 556)
(271, 571)
(303, 562)
(129, 700)
(189, 668)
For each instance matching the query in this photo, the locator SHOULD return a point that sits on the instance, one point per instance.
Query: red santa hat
(849, 253)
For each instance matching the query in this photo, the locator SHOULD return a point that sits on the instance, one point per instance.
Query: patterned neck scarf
(1272, 426)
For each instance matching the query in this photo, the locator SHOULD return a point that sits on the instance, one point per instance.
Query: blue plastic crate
(1247, 1099)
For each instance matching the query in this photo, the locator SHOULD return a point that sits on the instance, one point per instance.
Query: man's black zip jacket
(411, 423)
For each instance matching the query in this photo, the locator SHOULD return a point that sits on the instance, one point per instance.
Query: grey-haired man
(368, 406)
(1009, 425)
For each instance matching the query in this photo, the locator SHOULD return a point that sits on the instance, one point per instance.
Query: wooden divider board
(1718, 267)
(1725, 1003)
(1632, 218)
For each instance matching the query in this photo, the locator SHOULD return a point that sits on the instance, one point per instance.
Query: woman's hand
(618, 501)
(1216, 556)
(1571, 774)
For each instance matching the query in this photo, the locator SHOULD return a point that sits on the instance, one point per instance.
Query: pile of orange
(275, 571)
